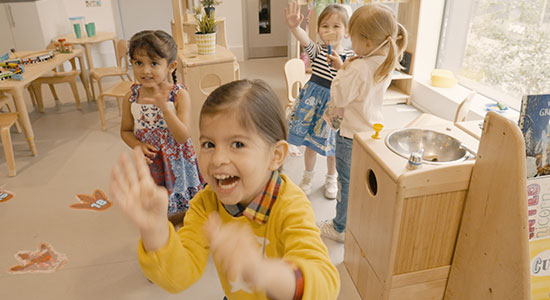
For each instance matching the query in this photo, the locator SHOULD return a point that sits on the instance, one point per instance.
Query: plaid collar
(258, 210)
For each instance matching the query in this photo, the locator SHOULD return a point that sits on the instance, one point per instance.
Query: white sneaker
(305, 184)
(331, 187)
(328, 231)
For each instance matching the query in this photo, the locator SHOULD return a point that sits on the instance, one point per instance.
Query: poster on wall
(540, 268)
(534, 123)
(538, 207)
(93, 3)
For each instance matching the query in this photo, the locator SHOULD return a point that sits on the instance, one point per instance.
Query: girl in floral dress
(156, 118)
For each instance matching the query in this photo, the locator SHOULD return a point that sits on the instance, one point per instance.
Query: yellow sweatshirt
(290, 233)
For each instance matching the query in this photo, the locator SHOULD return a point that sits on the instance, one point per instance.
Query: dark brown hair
(333, 9)
(157, 44)
(254, 102)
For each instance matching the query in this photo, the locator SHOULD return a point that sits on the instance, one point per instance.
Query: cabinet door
(27, 31)
(6, 39)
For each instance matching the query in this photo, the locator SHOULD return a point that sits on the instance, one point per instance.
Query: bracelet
(299, 290)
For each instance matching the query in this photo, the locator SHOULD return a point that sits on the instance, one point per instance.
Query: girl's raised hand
(161, 95)
(133, 188)
(235, 249)
(335, 59)
(293, 15)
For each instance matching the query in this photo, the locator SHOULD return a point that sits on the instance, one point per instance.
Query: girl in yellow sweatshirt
(257, 224)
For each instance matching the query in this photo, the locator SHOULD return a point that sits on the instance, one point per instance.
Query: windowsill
(443, 102)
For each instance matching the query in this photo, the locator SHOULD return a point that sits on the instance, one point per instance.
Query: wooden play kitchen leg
(491, 258)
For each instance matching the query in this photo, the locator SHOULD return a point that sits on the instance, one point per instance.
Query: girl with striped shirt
(307, 126)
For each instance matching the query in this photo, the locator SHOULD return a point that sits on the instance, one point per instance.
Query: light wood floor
(75, 157)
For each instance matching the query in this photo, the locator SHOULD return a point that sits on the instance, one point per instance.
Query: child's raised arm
(144, 202)
(293, 20)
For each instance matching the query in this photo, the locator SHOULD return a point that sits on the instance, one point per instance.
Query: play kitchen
(408, 193)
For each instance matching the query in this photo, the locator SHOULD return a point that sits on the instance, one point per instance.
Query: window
(499, 48)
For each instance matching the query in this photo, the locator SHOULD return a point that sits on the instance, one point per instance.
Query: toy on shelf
(63, 47)
(10, 69)
(31, 58)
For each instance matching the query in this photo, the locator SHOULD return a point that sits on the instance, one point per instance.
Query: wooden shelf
(394, 96)
(397, 75)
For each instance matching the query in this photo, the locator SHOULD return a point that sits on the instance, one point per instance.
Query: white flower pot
(206, 43)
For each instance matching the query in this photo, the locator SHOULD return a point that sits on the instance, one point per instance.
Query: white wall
(103, 54)
(232, 10)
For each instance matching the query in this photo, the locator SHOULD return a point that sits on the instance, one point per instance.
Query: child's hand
(236, 250)
(293, 15)
(149, 152)
(161, 95)
(335, 59)
(333, 116)
(145, 203)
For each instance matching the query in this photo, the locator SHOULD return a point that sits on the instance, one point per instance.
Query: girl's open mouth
(226, 182)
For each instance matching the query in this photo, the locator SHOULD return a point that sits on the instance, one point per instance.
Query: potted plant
(209, 5)
(206, 33)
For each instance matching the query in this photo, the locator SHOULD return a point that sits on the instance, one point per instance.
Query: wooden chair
(464, 108)
(5, 101)
(295, 75)
(6, 121)
(54, 77)
(121, 68)
(120, 91)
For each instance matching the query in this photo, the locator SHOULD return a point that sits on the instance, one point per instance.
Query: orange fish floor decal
(5, 195)
(97, 202)
(44, 260)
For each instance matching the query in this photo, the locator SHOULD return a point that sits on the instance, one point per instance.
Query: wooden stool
(6, 121)
(7, 102)
(119, 91)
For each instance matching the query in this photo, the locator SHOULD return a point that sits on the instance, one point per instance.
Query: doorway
(266, 30)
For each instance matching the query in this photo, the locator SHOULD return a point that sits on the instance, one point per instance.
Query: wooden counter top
(396, 165)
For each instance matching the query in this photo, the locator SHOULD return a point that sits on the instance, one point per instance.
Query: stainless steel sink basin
(437, 147)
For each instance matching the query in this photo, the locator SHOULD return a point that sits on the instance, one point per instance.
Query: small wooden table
(201, 75)
(86, 42)
(32, 72)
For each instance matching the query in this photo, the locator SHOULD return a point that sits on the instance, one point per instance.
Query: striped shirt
(318, 58)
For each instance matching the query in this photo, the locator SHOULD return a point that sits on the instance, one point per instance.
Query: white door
(6, 38)
(138, 15)
(267, 33)
(25, 26)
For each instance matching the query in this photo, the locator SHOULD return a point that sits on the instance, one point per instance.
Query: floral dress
(175, 165)
(306, 123)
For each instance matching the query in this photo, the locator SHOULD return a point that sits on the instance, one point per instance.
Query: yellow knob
(377, 128)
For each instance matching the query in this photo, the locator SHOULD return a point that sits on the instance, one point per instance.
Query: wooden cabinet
(31, 25)
(402, 225)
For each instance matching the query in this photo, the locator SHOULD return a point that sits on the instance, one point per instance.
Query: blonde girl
(257, 224)
(307, 126)
(358, 91)
(156, 119)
